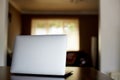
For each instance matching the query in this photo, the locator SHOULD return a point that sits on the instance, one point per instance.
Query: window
(58, 26)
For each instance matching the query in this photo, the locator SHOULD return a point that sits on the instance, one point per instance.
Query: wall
(14, 27)
(109, 35)
(3, 31)
(88, 27)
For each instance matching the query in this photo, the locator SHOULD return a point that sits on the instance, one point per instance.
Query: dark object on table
(68, 74)
(9, 58)
(83, 59)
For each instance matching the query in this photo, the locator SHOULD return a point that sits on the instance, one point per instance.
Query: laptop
(16, 77)
(39, 55)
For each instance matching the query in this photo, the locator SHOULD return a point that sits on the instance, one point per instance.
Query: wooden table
(78, 74)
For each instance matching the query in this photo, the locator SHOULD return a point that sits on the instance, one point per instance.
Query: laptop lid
(41, 54)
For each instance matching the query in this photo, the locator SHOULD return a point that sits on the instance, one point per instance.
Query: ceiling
(56, 5)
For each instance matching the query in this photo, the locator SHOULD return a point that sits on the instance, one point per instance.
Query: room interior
(86, 12)
(108, 34)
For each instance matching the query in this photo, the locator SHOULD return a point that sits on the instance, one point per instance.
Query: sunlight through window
(70, 27)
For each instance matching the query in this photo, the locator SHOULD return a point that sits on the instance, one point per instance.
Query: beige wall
(109, 35)
(14, 27)
(3, 31)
